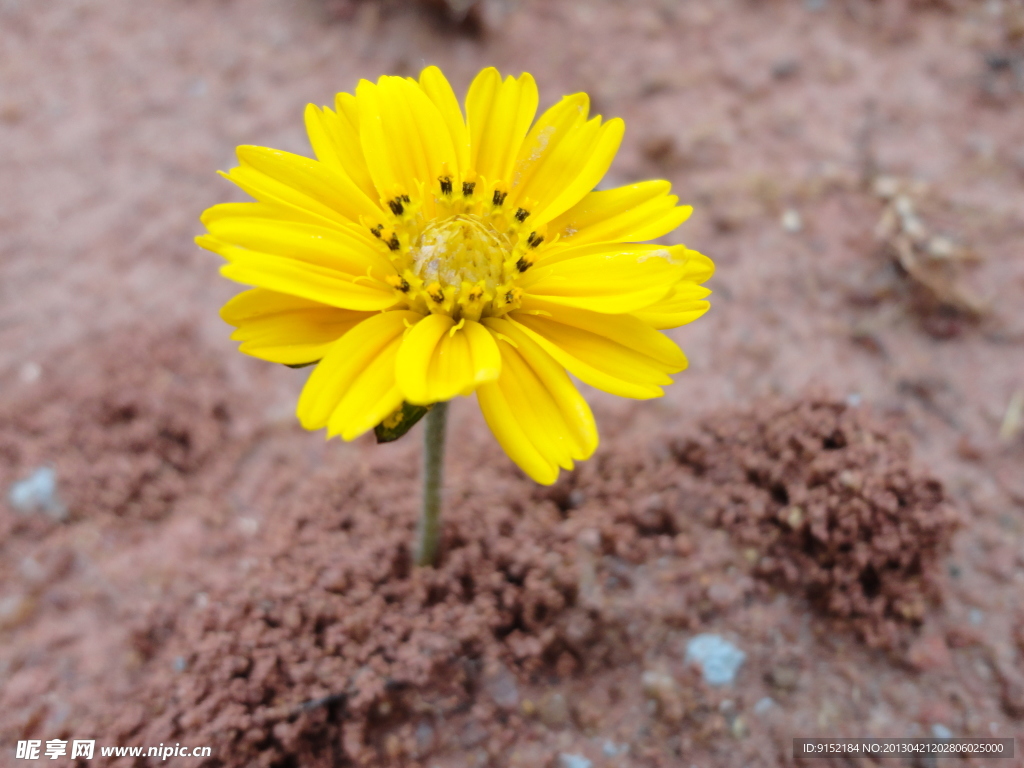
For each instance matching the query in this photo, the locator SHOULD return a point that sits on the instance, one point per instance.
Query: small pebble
(248, 525)
(662, 691)
(611, 749)
(180, 665)
(853, 399)
(14, 610)
(763, 705)
(30, 372)
(940, 731)
(975, 616)
(424, 739)
(553, 711)
(501, 686)
(940, 247)
(791, 221)
(38, 492)
(718, 659)
(567, 760)
(738, 727)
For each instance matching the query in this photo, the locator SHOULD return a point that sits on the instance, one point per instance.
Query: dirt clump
(333, 647)
(827, 503)
(143, 411)
(337, 648)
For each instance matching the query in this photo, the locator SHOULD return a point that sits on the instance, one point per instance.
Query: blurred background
(856, 169)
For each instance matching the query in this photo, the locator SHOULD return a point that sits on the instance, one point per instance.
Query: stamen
(399, 283)
(462, 265)
(446, 185)
(467, 188)
(377, 230)
(534, 239)
(396, 205)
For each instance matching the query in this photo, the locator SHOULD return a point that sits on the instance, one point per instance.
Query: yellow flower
(424, 255)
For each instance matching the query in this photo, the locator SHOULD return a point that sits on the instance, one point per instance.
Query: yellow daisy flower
(426, 254)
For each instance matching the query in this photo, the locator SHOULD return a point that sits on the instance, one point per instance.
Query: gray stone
(501, 686)
(763, 705)
(38, 493)
(567, 760)
(718, 659)
(611, 749)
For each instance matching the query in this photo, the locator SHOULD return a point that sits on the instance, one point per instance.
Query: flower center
(460, 251)
(458, 254)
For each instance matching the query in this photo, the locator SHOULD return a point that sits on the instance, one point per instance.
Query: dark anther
(438, 297)
(522, 265)
(393, 243)
(508, 295)
(534, 239)
(405, 199)
(396, 206)
(404, 286)
(446, 185)
(521, 215)
(467, 188)
(499, 197)
(377, 230)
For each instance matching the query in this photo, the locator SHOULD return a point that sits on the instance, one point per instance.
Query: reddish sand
(836, 486)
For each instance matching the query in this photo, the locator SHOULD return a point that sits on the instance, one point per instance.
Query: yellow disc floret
(465, 259)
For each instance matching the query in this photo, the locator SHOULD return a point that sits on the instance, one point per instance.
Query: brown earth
(223, 578)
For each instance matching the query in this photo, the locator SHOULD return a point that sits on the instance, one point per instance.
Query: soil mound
(125, 423)
(828, 503)
(333, 648)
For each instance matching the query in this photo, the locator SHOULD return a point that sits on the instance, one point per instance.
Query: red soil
(225, 579)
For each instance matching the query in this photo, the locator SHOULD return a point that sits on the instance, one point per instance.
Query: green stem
(428, 531)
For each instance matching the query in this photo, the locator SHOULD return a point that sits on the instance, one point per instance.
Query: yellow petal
(684, 304)
(286, 329)
(557, 122)
(347, 361)
(298, 278)
(372, 397)
(605, 277)
(267, 210)
(307, 179)
(404, 137)
(533, 409)
(571, 168)
(619, 354)
(350, 250)
(335, 141)
(698, 267)
(573, 420)
(563, 158)
(633, 214)
(498, 115)
(439, 360)
(437, 88)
